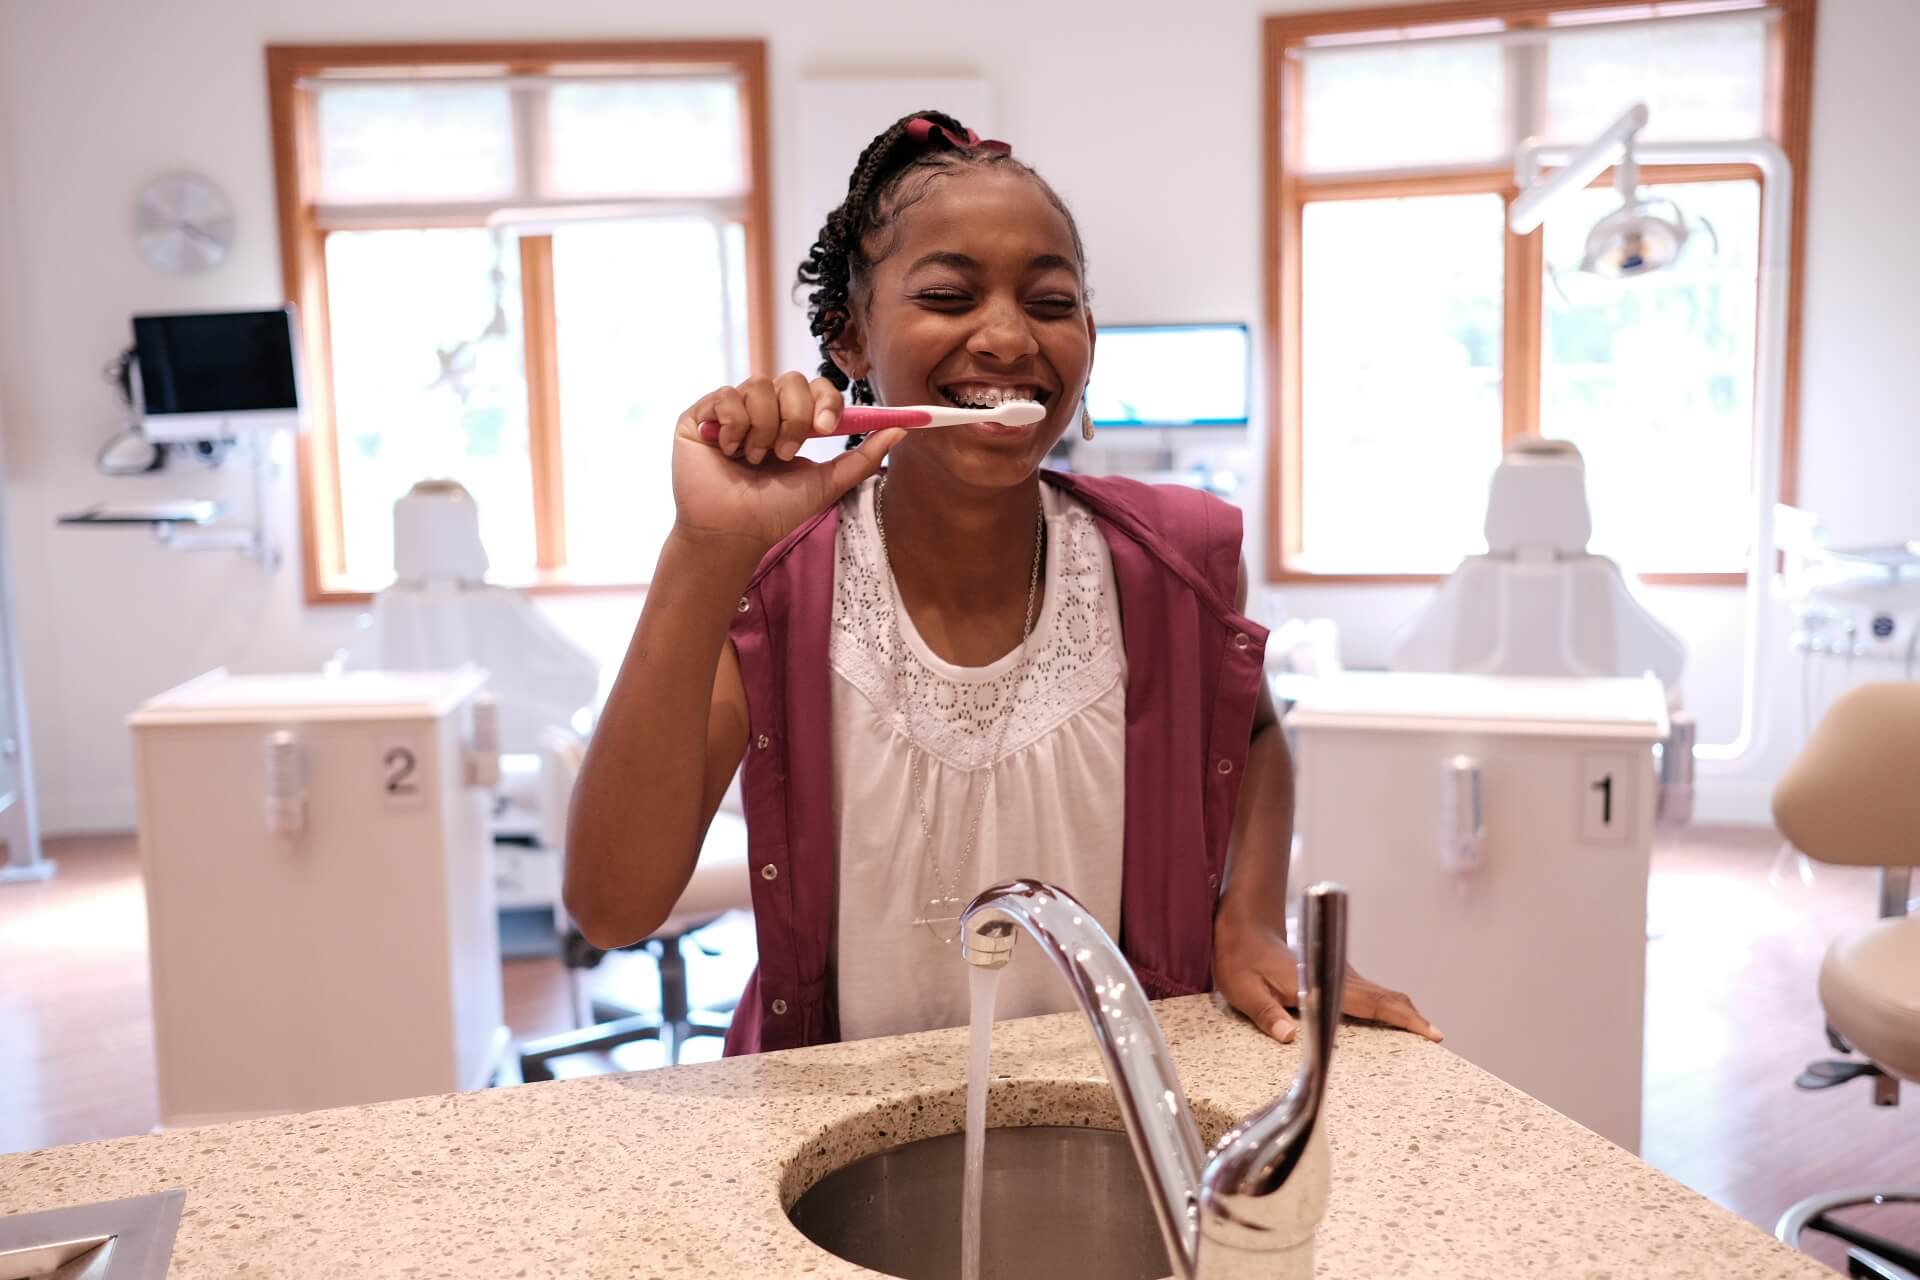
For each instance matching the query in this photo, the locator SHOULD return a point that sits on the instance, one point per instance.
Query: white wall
(1860, 415)
(1145, 116)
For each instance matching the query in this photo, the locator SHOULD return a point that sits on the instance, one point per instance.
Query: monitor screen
(1170, 375)
(216, 362)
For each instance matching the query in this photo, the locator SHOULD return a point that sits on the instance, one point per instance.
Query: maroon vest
(1194, 667)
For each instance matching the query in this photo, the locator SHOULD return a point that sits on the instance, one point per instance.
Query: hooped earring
(1086, 422)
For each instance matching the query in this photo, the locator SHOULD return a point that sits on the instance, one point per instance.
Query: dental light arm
(1529, 209)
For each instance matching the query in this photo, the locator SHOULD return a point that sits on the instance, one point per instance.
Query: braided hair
(894, 172)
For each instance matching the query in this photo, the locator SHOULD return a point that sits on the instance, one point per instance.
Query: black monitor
(207, 375)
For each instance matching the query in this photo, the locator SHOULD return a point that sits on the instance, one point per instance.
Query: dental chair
(719, 885)
(1538, 603)
(1852, 797)
(441, 613)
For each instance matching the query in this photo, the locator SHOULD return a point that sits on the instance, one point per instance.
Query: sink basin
(1059, 1203)
(1063, 1194)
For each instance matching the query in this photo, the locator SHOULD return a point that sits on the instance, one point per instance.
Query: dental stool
(1852, 798)
(719, 885)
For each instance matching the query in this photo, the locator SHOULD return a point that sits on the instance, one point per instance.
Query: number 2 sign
(402, 778)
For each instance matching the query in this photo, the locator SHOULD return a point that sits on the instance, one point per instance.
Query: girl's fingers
(796, 415)
(1258, 998)
(763, 409)
(726, 407)
(700, 411)
(766, 417)
(1394, 1008)
(827, 403)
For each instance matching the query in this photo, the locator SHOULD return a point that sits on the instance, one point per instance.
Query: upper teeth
(978, 396)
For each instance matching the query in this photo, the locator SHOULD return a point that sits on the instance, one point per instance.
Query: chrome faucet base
(1277, 1242)
(1225, 1263)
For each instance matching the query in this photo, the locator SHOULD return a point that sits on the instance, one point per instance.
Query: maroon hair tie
(923, 131)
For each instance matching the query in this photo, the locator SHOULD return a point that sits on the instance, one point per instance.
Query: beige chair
(719, 885)
(1852, 797)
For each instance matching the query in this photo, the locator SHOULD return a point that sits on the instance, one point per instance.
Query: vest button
(769, 872)
(1225, 766)
(743, 606)
(1213, 882)
(779, 1007)
(1241, 641)
(763, 742)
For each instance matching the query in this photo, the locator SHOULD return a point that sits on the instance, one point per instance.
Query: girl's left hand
(1258, 973)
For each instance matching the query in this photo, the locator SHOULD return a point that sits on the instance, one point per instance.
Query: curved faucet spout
(1165, 1139)
(1252, 1208)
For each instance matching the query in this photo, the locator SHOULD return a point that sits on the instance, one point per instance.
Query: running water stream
(983, 984)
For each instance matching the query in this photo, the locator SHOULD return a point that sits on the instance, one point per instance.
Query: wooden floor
(1736, 938)
(1736, 934)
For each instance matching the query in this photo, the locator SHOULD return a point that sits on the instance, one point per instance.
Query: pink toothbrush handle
(856, 420)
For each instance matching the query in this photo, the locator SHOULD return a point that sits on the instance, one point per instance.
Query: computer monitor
(210, 375)
(1170, 375)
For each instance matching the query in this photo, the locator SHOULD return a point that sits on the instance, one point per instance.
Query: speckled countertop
(1439, 1169)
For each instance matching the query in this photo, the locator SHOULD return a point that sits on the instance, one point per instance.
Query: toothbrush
(858, 420)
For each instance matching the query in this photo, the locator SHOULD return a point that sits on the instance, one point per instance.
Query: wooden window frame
(1285, 194)
(303, 267)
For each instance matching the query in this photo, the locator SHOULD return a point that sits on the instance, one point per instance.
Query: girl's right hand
(749, 485)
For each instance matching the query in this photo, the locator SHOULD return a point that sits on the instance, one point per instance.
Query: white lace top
(1055, 794)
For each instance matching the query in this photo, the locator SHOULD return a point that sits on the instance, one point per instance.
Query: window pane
(740, 357)
(389, 143)
(645, 137)
(1401, 328)
(1699, 79)
(651, 315)
(1653, 378)
(1405, 105)
(429, 380)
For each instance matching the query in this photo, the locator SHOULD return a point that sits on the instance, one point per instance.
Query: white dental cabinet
(1495, 835)
(320, 896)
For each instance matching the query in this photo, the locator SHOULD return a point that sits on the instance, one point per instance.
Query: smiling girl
(959, 670)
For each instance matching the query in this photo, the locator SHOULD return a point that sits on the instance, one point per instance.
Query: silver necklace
(940, 896)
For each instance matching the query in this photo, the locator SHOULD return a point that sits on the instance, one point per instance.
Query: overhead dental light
(1636, 238)
(1646, 233)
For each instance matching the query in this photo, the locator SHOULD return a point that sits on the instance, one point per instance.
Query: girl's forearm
(640, 806)
(1262, 843)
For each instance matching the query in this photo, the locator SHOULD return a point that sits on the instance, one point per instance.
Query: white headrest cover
(436, 534)
(1538, 502)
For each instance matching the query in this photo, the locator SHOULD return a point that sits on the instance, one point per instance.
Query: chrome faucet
(1250, 1207)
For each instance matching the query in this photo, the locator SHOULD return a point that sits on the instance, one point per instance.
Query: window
(1655, 383)
(514, 266)
(1411, 334)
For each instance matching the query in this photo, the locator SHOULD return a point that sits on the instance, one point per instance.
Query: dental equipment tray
(162, 513)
